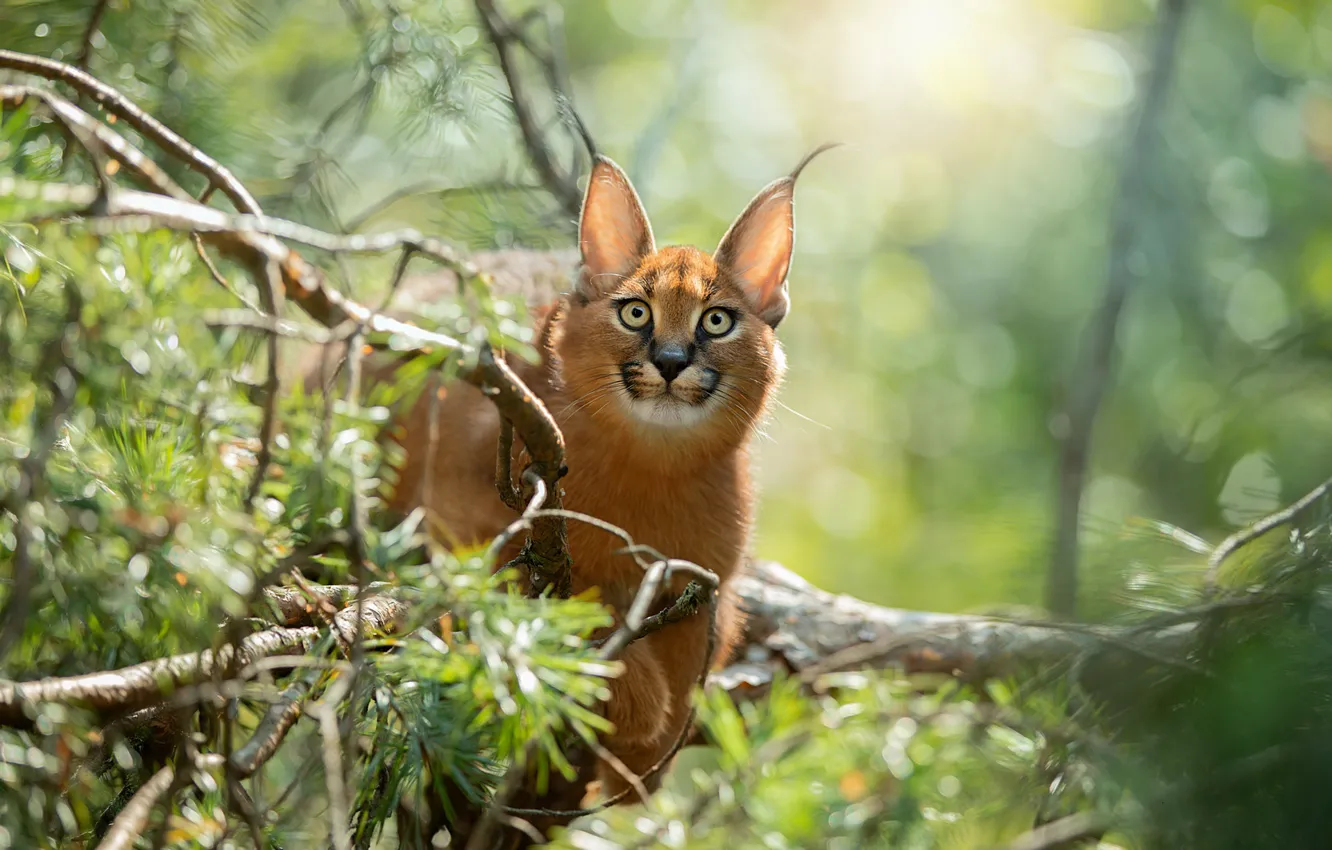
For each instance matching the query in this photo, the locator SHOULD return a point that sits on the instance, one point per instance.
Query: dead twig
(256, 321)
(90, 33)
(1247, 535)
(327, 713)
(1083, 826)
(130, 823)
(635, 782)
(504, 468)
(685, 606)
(502, 34)
(274, 726)
(272, 387)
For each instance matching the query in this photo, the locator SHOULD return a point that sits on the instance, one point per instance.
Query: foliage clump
(146, 512)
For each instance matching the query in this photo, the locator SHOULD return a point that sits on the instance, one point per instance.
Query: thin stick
(504, 467)
(1247, 535)
(130, 823)
(90, 34)
(272, 388)
(563, 186)
(327, 713)
(635, 782)
(1064, 832)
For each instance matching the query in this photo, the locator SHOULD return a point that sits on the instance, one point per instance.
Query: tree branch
(1062, 833)
(250, 241)
(95, 137)
(130, 823)
(793, 626)
(116, 692)
(502, 34)
(1087, 391)
(1247, 535)
(122, 107)
(90, 34)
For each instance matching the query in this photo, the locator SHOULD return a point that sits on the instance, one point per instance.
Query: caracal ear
(756, 251)
(613, 231)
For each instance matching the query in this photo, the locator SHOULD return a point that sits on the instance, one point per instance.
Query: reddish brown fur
(684, 489)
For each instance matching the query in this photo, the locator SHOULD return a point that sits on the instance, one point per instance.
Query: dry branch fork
(251, 241)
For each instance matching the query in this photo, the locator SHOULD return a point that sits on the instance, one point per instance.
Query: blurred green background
(948, 256)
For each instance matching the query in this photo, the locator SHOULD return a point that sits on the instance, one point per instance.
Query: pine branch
(250, 241)
(118, 692)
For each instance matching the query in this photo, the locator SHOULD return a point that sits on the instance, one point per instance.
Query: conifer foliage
(213, 635)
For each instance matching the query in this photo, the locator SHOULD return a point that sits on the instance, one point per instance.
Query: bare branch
(633, 779)
(635, 620)
(272, 388)
(255, 321)
(327, 713)
(58, 193)
(1247, 535)
(90, 34)
(790, 625)
(122, 107)
(94, 136)
(502, 34)
(1062, 833)
(694, 596)
(504, 468)
(130, 823)
(272, 729)
(1089, 387)
(131, 688)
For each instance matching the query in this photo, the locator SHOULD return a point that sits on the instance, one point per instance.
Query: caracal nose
(671, 359)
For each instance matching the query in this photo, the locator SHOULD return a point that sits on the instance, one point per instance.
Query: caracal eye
(635, 314)
(718, 322)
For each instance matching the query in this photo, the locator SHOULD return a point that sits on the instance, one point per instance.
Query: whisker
(791, 409)
(596, 392)
(583, 402)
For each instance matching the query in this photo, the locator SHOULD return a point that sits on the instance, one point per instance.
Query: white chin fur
(668, 412)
